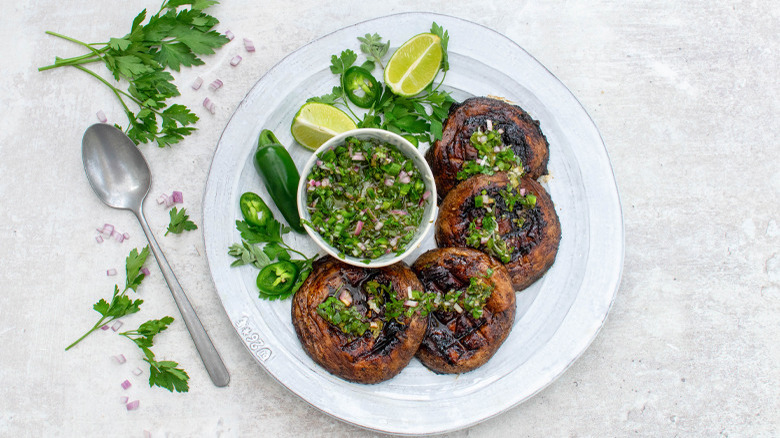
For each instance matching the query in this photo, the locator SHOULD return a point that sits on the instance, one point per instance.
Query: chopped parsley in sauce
(494, 156)
(381, 307)
(365, 198)
(483, 233)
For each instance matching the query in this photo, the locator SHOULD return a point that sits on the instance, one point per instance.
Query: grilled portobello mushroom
(447, 156)
(341, 316)
(460, 339)
(489, 214)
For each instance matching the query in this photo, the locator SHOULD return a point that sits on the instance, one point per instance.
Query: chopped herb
(486, 238)
(494, 155)
(366, 198)
(347, 319)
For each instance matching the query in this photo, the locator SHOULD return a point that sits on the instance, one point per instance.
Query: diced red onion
(249, 45)
(404, 179)
(137, 371)
(497, 149)
(427, 194)
(319, 163)
(197, 83)
(346, 298)
(115, 326)
(229, 35)
(133, 405)
(379, 226)
(99, 238)
(162, 199)
(489, 125)
(410, 303)
(105, 327)
(457, 308)
(119, 237)
(484, 240)
(362, 246)
(522, 192)
(124, 399)
(358, 157)
(101, 116)
(236, 59)
(389, 182)
(111, 272)
(409, 292)
(108, 229)
(215, 85)
(398, 212)
(126, 384)
(359, 227)
(145, 271)
(394, 241)
(209, 105)
(177, 196)
(325, 183)
(120, 358)
(500, 130)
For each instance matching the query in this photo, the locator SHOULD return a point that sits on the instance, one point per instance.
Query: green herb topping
(365, 198)
(494, 156)
(381, 307)
(484, 235)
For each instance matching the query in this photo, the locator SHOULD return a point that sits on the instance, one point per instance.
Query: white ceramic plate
(557, 317)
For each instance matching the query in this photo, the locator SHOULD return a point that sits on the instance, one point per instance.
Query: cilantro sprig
(420, 117)
(171, 38)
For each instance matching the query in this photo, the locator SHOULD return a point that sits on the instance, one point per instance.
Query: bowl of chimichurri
(367, 197)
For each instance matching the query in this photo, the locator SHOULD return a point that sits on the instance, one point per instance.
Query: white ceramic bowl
(405, 148)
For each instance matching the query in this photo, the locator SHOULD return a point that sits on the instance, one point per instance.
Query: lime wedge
(315, 123)
(414, 65)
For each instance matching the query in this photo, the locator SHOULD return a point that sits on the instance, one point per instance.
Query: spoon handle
(214, 365)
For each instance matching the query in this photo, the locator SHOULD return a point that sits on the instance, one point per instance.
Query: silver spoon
(120, 177)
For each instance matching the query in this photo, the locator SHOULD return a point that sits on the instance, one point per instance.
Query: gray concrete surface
(685, 95)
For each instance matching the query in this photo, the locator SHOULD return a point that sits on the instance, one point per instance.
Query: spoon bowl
(116, 169)
(120, 177)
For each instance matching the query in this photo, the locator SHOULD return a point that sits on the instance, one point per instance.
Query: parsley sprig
(171, 38)
(120, 305)
(180, 222)
(273, 248)
(165, 374)
(421, 117)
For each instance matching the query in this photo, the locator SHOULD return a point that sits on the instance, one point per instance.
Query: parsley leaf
(340, 64)
(164, 374)
(180, 222)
